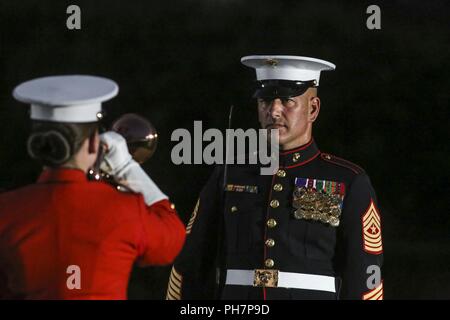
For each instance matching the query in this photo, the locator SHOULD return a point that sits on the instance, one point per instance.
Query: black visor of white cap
(271, 89)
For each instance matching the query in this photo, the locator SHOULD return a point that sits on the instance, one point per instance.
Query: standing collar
(299, 156)
(62, 175)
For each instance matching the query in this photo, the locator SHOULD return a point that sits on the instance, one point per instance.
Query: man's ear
(94, 141)
(314, 109)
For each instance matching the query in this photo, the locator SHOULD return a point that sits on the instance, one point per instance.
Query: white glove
(118, 163)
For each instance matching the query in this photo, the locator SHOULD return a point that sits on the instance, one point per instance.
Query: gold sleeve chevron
(375, 293)
(372, 230)
(192, 219)
(174, 287)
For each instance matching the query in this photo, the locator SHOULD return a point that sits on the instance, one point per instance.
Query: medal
(318, 200)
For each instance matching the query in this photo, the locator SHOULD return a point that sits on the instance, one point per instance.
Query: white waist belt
(285, 280)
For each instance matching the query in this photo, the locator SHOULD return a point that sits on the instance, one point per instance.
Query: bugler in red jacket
(64, 220)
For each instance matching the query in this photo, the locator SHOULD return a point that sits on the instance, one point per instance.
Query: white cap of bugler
(292, 68)
(67, 98)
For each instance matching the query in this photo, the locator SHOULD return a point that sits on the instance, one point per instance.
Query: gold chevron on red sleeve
(192, 219)
(174, 287)
(371, 223)
(374, 294)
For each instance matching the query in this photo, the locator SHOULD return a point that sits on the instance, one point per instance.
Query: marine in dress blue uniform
(312, 230)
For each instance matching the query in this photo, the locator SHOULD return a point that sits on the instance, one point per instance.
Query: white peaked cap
(67, 98)
(294, 68)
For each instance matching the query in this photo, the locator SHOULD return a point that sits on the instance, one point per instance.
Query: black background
(384, 108)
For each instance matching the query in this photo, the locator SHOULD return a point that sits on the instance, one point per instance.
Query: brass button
(271, 223)
(274, 203)
(269, 263)
(296, 157)
(172, 206)
(278, 187)
(234, 209)
(270, 243)
(281, 173)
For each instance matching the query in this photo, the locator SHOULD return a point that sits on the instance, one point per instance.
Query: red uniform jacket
(66, 231)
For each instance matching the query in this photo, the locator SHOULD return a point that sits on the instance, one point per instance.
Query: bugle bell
(141, 137)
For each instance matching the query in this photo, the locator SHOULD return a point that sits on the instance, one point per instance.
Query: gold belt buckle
(265, 278)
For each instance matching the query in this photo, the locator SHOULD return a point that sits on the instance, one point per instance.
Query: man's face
(293, 117)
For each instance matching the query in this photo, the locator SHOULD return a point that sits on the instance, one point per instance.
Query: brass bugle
(141, 138)
(140, 134)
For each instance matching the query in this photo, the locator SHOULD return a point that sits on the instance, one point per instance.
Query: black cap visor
(272, 89)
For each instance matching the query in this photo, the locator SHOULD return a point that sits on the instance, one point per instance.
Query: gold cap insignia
(271, 62)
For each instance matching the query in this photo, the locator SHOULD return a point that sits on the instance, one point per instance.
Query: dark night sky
(384, 108)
